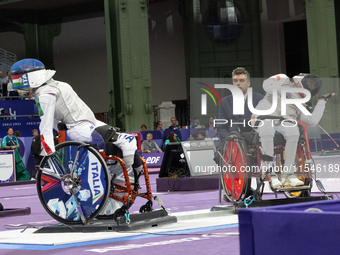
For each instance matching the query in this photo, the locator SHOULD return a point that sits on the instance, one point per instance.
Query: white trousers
(127, 143)
(290, 133)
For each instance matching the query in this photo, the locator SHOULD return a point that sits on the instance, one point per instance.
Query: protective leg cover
(291, 134)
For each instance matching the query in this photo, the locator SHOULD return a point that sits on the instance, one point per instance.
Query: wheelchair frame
(236, 153)
(133, 193)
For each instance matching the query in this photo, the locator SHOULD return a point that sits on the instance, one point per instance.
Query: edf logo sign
(153, 159)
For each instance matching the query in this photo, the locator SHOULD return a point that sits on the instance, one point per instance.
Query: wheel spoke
(75, 160)
(58, 162)
(50, 173)
(80, 211)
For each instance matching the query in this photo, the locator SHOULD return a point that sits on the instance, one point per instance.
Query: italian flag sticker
(20, 81)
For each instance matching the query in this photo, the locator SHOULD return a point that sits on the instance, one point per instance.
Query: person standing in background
(35, 151)
(10, 142)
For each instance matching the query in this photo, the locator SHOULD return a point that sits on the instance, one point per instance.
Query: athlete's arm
(46, 106)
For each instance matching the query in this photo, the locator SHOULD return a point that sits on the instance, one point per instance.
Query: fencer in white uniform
(289, 130)
(57, 103)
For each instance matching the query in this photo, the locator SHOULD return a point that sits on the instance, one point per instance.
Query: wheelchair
(241, 160)
(80, 182)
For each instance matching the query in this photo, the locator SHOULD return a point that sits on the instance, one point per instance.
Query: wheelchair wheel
(235, 177)
(301, 165)
(73, 184)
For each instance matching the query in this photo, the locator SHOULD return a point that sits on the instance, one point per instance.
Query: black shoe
(225, 198)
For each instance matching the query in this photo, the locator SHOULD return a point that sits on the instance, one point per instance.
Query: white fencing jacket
(58, 102)
(292, 111)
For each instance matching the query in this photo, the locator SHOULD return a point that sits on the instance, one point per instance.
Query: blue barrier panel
(185, 134)
(327, 142)
(24, 125)
(177, 132)
(155, 134)
(159, 142)
(17, 109)
(290, 229)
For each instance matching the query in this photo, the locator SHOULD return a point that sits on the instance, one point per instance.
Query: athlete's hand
(326, 97)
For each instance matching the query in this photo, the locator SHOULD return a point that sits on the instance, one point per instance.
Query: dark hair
(194, 136)
(143, 125)
(241, 70)
(10, 128)
(202, 133)
(17, 133)
(158, 122)
(171, 137)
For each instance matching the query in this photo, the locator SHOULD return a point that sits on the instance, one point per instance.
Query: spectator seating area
(159, 137)
(183, 134)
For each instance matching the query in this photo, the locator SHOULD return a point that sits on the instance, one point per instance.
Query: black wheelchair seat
(252, 137)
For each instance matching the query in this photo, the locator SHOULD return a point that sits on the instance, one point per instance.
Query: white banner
(7, 166)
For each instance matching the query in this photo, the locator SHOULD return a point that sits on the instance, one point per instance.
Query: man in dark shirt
(241, 79)
(174, 125)
(35, 151)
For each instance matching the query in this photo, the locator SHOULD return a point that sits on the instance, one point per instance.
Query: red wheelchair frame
(237, 168)
(132, 192)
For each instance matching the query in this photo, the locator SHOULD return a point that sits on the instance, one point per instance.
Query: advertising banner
(153, 159)
(21, 115)
(7, 166)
